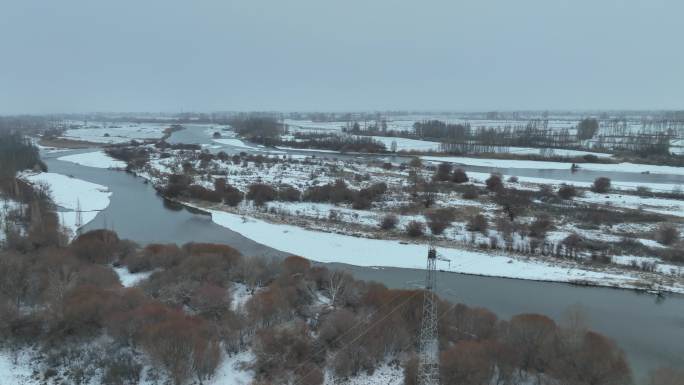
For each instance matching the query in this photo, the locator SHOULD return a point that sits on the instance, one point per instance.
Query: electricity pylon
(79, 217)
(428, 358)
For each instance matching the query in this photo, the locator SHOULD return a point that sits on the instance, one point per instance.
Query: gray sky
(203, 55)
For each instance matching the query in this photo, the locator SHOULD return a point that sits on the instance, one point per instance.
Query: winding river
(651, 331)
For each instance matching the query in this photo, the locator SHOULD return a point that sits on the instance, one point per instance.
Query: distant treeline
(342, 143)
(260, 129)
(17, 153)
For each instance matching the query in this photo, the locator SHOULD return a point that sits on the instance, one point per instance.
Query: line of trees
(333, 142)
(17, 153)
(260, 129)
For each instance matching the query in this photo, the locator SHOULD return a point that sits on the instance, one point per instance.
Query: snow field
(234, 142)
(115, 133)
(68, 193)
(329, 247)
(544, 165)
(97, 159)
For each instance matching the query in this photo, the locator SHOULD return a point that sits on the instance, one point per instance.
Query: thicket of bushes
(183, 315)
(339, 192)
(135, 157)
(17, 153)
(334, 143)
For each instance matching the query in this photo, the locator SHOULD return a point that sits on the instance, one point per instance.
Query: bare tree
(336, 285)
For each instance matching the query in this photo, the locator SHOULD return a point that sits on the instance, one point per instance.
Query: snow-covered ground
(554, 152)
(6, 207)
(330, 247)
(383, 375)
(129, 279)
(657, 205)
(239, 296)
(234, 143)
(97, 132)
(307, 149)
(616, 185)
(677, 146)
(97, 159)
(69, 193)
(231, 370)
(543, 165)
(405, 123)
(404, 144)
(15, 372)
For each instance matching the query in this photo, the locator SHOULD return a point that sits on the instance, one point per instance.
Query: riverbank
(78, 201)
(328, 247)
(353, 237)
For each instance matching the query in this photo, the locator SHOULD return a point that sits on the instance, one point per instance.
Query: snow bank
(544, 165)
(97, 159)
(233, 142)
(404, 144)
(330, 247)
(125, 132)
(382, 375)
(554, 152)
(240, 295)
(68, 193)
(129, 279)
(230, 370)
(307, 149)
(18, 373)
(616, 185)
(663, 206)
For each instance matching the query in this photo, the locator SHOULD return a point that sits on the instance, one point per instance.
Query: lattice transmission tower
(79, 217)
(428, 358)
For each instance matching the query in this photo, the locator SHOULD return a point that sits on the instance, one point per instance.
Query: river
(650, 331)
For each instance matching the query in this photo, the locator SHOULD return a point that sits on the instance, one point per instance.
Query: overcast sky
(462, 55)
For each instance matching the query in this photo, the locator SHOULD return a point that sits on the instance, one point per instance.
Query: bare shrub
(261, 193)
(388, 222)
(232, 196)
(470, 192)
(438, 220)
(468, 362)
(601, 185)
(281, 350)
(443, 172)
(541, 225)
(288, 193)
(667, 234)
(643, 191)
(415, 229)
(459, 176)
(513, 202)
(204, 194)
(567, 191)
(494, 183)
(478, 223)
